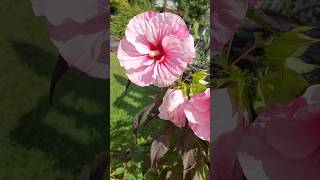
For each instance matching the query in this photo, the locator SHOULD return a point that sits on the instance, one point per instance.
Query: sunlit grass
(39, 141)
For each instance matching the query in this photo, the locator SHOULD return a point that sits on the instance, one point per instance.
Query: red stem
(243, 55)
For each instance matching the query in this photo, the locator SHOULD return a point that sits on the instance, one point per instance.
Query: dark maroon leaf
(146, 165)
(127, 86)
(189, 159)
(145, 116)
(95, 169)
(159, 148)
(99, 167)
(175, 172)
(59, 70)
(189, 140)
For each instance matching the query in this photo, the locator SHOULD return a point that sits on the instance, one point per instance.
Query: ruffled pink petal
(275, 146)
(260, 161)
(296, 136)
(189, 46)
(228, 125)
(312, 94)
(58, 11)
(225, 164)
(201, 130)
(195, 116)
(160, 40)
(292, 129)
(84, 51)
(142, 76)
(172, 107)
(200, 102)
(79, 33)
(227, 15)
(199, 121)
(136, 31)
(164, 24)
(128, 55)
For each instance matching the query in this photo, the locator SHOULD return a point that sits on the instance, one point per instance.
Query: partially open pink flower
(197, 111)
(228, 125)
(172, 107)
(283, 142)
(156, 49)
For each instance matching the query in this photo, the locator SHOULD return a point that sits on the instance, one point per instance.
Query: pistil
(154, 53)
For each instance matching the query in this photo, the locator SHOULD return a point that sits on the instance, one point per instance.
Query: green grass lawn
(123, 108)
(39, 141)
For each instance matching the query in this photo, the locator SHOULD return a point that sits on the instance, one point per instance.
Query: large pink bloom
(78, 28)
(156, 49)
(283, 142)
(172, 107)
(197, 111)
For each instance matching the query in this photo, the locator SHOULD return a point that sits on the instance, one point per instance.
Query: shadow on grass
(122, 134)
(33, 133)
(142, 95)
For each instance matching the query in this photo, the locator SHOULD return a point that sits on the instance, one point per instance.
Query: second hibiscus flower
(177, 108)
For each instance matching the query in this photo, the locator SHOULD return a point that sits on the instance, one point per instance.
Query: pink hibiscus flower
(78, 29)
(283, 142)
(227, 16)
(197, 111)
(156, 49)
(172, 107)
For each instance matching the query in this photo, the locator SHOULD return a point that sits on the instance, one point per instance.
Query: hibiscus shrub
(264, 91)
(158, 49)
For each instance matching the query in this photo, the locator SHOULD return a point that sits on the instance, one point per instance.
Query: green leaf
(198, 76)
(195, 29)
(196, 89)
(184, 88)
(221, 59)
(238, 80)
(118, 171)
(299, 66)
(259, 41)
(290, 44)
(279, 87)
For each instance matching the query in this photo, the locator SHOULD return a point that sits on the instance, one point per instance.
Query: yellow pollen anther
(154, 53)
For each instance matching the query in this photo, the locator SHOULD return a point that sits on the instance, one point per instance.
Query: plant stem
(243, 55)
(229, 50)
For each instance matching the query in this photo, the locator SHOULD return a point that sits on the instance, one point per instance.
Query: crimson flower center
(156, 53)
